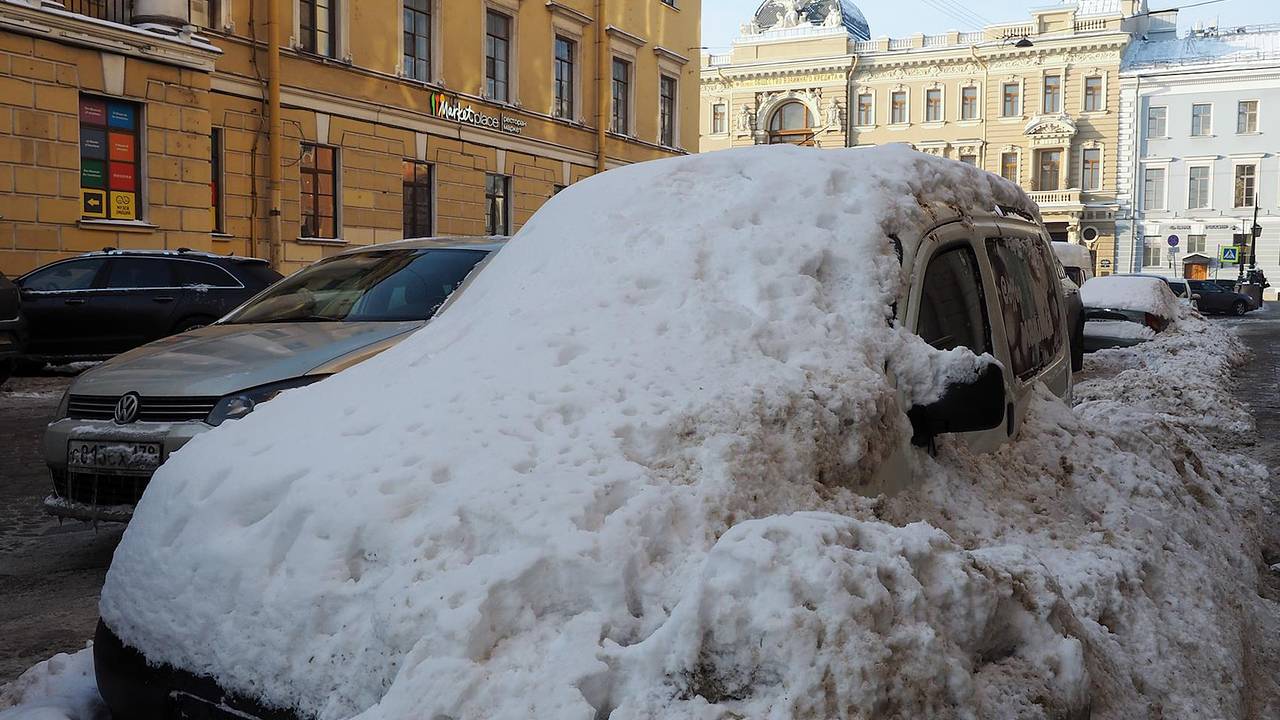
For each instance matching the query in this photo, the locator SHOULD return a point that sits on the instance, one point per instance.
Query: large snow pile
(58, 688)
(1130, 292)
(619, 478)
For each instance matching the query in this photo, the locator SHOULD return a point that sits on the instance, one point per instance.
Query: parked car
(12, 327)
(1124, 310)
(1076, 260)
(623, 340)
(1075, 316)
(104, 303)
(118, 421)
(1210, 297)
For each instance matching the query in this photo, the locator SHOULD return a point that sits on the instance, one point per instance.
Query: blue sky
(900, 18)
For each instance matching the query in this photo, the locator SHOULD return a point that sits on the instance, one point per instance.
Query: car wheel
(192, 323)
(1240, 308)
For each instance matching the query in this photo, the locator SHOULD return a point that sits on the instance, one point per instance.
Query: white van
(1076, 259)
(662, 352)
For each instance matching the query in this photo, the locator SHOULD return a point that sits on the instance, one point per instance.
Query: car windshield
(376, 286)
(1076, 275)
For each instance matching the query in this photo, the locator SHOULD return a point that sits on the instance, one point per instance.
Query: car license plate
(113, 455)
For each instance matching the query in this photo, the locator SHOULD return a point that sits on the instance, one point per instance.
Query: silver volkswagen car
(118, 421)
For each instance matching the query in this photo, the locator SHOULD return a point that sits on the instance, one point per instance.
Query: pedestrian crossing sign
(1229, 254)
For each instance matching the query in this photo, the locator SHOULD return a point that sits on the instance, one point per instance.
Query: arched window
(791, 123)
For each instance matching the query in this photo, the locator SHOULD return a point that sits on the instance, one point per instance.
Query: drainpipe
(275, 137)
(602, 84)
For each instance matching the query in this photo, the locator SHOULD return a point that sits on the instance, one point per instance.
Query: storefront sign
(122, 177)
(93, 144)
(120, 147)
(93, 203)
(449, 108)
(122, 206)
(92, 174)
(1220, 226)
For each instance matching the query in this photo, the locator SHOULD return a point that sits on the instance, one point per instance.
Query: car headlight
(236, 406)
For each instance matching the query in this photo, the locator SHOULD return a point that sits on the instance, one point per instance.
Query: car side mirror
(964, 407)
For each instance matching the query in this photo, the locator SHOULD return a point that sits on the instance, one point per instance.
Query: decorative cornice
(61, 26)
(619, 34)
(558, 8)
(671, 55)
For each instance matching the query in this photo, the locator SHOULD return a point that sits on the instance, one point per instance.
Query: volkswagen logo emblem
(127, 408)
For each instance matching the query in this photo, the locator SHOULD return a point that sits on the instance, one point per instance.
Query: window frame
(1151, 244)
(431, 60)
(719, 117)
(1056, 94)
(1100, 96)
(415, 185)
(1017, 99)
(906, 107)
(316, 173)
(668, 109)
(944, 249)
(138, 161)
(508, 80)
(1155, 201)
(307, 42)
(976, 105)
(490, 197)
(1084, 152)
(562, 106)
(1196, 247)
(620, 119)
(929, 106)
(871, 109)
(1206, 132)
(1208, 186)
(1235, 184)
(782, 135)
(217, 139)
(1257, 111)
(1017, 165)
(1164, 121)
(1041, 154)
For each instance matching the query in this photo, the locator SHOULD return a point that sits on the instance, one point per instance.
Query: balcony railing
(1056, 197)
(116, 11)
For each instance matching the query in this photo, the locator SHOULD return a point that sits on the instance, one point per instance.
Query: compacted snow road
(1258, 382)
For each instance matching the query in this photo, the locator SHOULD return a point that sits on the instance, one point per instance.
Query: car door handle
(163, 299)
(74, 301)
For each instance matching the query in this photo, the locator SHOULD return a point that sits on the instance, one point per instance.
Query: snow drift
(619, 478)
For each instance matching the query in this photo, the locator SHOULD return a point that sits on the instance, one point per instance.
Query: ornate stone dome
(779, 14)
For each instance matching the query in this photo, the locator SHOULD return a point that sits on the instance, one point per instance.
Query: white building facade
(1199, 150)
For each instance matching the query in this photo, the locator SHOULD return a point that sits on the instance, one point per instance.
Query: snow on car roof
(1130, 292)
(517, 511)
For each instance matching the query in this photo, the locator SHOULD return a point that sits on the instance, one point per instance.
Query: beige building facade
(1036, 101)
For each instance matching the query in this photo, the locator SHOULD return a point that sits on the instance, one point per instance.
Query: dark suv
(12, 334)
(104, 303)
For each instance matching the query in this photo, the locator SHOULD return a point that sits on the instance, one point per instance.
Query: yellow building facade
(397, 117)
(1036, 101)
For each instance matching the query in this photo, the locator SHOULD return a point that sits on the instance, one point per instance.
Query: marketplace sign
(443, 106)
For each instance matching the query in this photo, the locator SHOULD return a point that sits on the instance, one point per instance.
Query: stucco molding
(561, 11)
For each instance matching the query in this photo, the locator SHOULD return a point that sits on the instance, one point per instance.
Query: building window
(566, 52)
(1050, 170)
(1246, 182)
(1091, 169)
(497, 210)
(1012, 106)
(110, 159)
(319, 191)
(969, 159)
(1195, 243)
(318, 25)
(790, 124)
(621, 96)
(1157, 126)
(1009, 166)
(417, 39)
(667, 110)
(557, 188)
(1093, 94)
(1151, 250)
(1201, 119)
(1153, 189)
(202, 13)
(898, 107)
(1247, 116)
(417, 198)
(969, 103)
(1198, 187)
(933, 105)
(215, 180)
(866, 112)
(497, 56)
(1052, 94)
(718, 115)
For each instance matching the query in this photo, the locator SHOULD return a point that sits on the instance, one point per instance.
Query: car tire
(192, 323)
(1239, 308)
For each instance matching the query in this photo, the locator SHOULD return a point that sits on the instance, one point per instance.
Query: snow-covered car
(540, 504)
(120, 420)
(1076, 259)
(1075, 316)
(1124, 310)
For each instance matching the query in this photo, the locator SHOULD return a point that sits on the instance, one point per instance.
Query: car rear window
(1028, 292)
(256, 274)
(205, 274)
